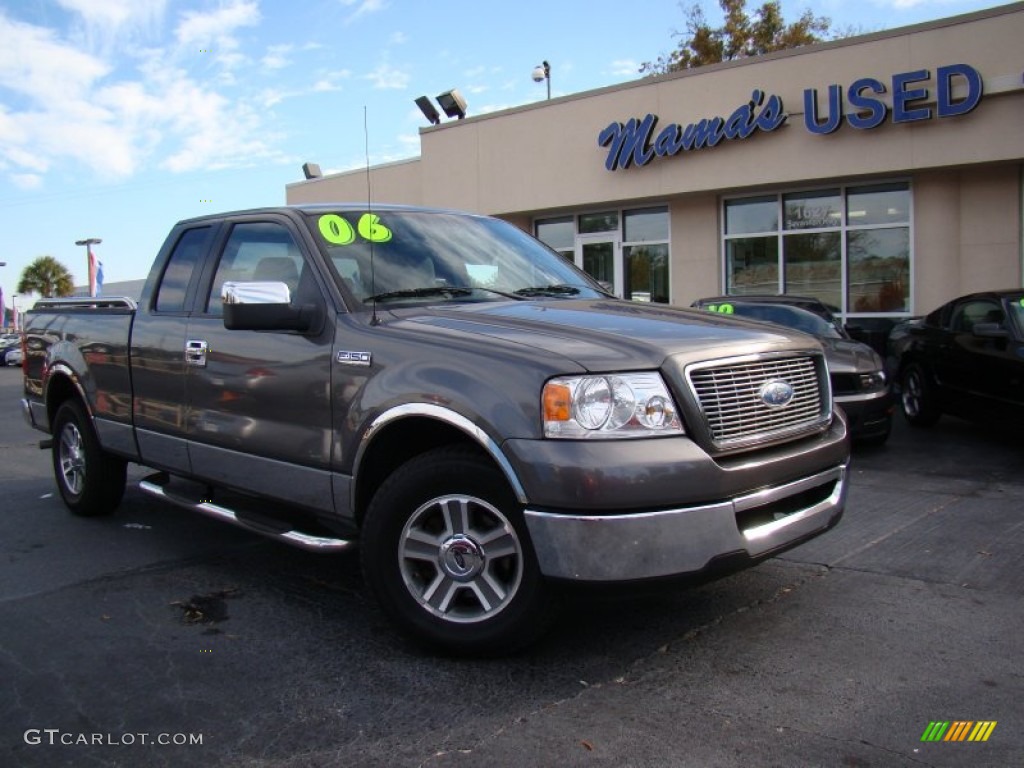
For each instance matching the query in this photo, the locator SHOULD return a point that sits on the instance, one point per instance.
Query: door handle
(195, 352)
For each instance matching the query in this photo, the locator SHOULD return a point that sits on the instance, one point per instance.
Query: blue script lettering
(630, 143)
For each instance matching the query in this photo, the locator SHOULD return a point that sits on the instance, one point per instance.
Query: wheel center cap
(462, 558)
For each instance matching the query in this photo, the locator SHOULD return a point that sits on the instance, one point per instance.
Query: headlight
(613, 406)
(872, 382)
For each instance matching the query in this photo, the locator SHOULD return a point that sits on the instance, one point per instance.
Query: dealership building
(881, 173)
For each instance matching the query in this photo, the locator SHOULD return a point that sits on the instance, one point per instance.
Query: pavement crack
(893, 531)
(862, 742)
(775, 597)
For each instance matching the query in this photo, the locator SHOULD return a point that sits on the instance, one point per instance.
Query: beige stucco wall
(696, 269)
(967, 228)
(545, 159)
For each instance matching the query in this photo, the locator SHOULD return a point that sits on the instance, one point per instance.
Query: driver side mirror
(265, 306)
(990, 331)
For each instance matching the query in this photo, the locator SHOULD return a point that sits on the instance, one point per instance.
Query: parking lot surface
(155, 625)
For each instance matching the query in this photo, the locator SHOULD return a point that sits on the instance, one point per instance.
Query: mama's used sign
(637, 142)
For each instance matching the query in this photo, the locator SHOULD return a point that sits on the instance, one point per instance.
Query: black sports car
(966, 358)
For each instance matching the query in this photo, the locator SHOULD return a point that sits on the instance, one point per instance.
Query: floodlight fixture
(311, 171)
(428, 110)
(452, 103)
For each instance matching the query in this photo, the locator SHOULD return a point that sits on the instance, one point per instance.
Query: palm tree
(47, 277)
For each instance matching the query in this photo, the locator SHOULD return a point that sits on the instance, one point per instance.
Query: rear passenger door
(259, 406)
(157, 350)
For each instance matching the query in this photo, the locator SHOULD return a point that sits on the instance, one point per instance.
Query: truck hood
(607, 334)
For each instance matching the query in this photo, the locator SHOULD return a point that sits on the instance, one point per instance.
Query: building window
(558, 234)
(848, 246)
(627, 250)
(607, 221)
(645, 254)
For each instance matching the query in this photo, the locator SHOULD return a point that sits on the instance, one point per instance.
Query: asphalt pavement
(156, 625)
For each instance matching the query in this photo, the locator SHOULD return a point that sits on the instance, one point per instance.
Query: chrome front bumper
(684, 541)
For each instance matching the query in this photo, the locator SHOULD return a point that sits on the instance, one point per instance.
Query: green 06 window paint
(338, 231)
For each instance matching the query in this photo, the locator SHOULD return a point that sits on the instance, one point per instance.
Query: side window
(180, 267)
(970, 313)
(260, 251)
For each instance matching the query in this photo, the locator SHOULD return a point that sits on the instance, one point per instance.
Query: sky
(119, 118)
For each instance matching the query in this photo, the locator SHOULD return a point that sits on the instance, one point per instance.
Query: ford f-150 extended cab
(479, 415)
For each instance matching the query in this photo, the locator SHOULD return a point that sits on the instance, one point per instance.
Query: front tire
(90, 481)
(446, 552)
(917, 397)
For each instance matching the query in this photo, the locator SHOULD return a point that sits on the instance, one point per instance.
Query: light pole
(88, 243)
(541, 73)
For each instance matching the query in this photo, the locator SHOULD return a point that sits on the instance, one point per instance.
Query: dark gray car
(857, 372)
(481, 417)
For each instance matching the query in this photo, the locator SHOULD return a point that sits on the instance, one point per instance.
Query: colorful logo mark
(958, 730)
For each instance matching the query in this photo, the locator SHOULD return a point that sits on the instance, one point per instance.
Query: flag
(3, 311)
(95, 273)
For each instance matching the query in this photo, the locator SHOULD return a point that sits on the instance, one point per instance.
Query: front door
(259, 402)
(601, 257)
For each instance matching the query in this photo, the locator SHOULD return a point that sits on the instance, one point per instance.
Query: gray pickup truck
(474, 411)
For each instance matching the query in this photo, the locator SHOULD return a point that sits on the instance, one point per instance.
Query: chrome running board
(153, 487)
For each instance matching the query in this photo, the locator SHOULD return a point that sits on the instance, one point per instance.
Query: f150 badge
(354, 358)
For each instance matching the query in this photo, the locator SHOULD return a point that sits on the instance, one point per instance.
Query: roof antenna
(374, 319)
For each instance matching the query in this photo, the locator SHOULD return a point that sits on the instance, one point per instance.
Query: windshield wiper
(412, 293)
(548, 290)
(496, 292)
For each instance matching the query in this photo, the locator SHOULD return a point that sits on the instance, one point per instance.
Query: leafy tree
(47, 277)
(740, 36)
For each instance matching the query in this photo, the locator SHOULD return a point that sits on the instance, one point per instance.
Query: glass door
(600, 256)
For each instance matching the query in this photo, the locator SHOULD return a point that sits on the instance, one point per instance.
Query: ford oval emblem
(776, 393)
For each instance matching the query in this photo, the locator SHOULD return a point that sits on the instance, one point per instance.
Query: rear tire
(446, 552)
(90, 481)
(917, 397)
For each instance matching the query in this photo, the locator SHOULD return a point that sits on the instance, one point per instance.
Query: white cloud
(59, 104)
(271, 96)
(386, 76)
(106, 21)
(204, 29)
(276, 58)
(902, 5)
(27, 180)
(114, 12)
(329, 81)
(363, 8)
(625, 68)
(34, 63)
(410, 140)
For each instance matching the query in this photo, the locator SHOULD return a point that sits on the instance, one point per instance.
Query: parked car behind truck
(965, 358)
(479, 415)
(859, 383)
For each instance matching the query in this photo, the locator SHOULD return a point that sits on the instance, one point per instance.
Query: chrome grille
(729, 395)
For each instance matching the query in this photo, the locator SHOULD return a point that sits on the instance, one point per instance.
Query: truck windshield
(429, 256)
